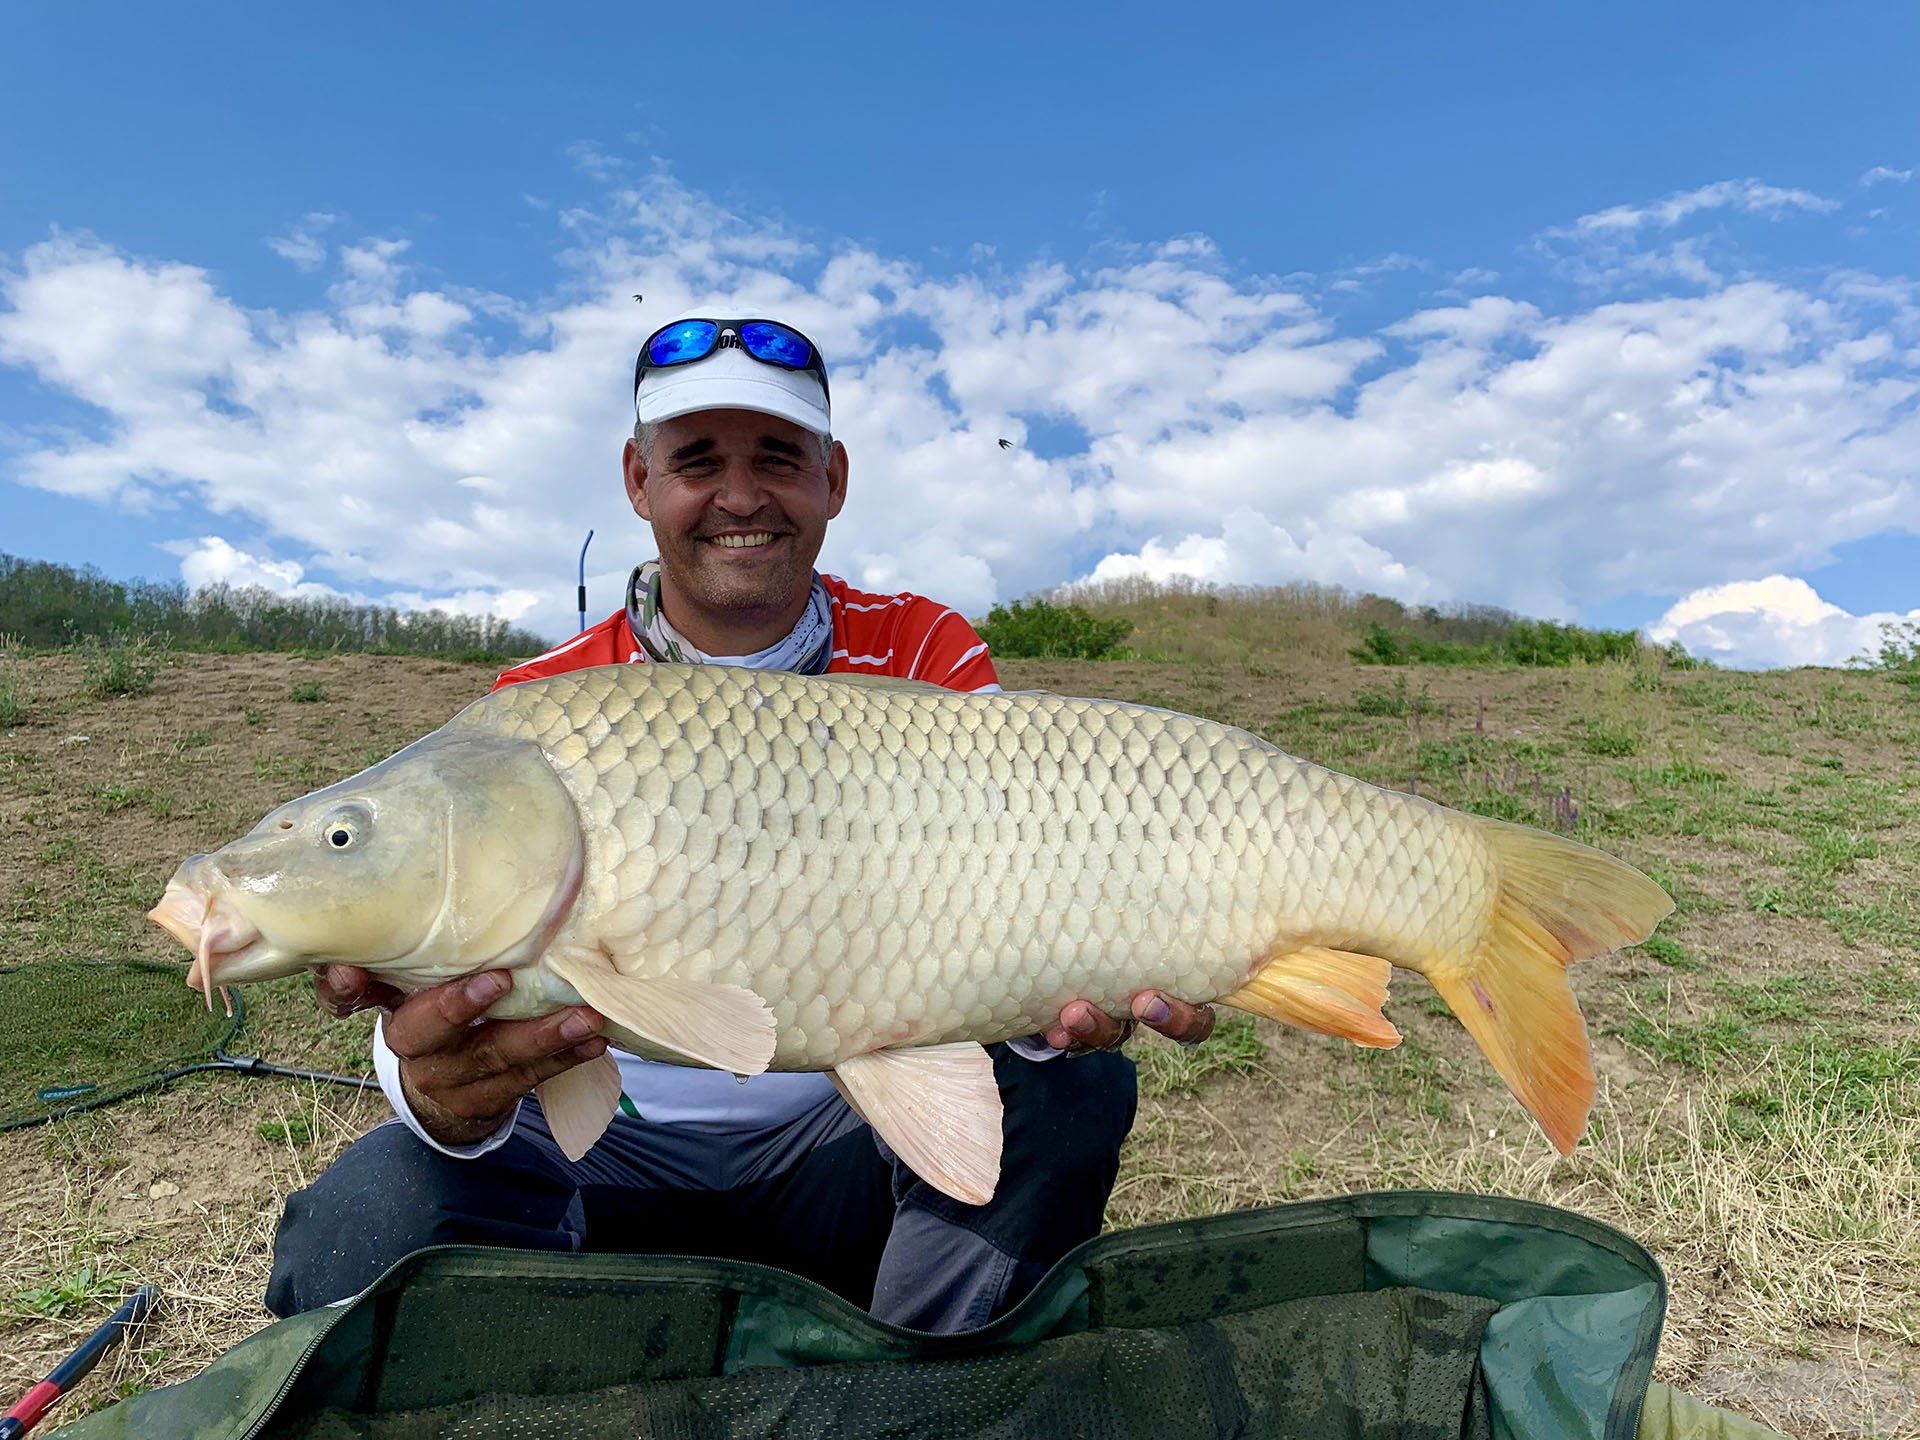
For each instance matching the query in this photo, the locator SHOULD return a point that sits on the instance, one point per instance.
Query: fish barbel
(753, 870)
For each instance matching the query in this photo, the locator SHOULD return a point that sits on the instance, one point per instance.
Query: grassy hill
(1759, 1119)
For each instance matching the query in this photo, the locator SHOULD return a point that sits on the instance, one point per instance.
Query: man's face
(739, 503)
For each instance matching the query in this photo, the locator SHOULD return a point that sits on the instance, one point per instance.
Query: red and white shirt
(904, 635)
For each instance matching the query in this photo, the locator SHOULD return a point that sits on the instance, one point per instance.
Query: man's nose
(739, 491)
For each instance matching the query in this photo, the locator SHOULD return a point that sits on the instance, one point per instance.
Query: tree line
(44, 605)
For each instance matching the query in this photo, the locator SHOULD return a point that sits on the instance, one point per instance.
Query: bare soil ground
(1759, 1122)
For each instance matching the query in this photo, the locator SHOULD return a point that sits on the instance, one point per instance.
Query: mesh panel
(80, 1034)
(1180, 1281)
(1395, 1364)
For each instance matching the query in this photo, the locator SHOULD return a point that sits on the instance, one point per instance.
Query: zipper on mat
(299, 1365)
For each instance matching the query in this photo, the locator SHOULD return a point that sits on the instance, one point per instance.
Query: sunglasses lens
(677, 344)
(776, 344)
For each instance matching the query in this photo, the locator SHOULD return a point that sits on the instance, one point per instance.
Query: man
(733, 464)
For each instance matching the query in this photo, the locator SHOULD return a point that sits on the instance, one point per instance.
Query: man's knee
(386, 1196)
(1077, 1109)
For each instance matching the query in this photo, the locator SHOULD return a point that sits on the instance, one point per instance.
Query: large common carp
(754, 870)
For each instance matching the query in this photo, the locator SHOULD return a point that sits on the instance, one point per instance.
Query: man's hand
(461, 1079)
(1084, 1026)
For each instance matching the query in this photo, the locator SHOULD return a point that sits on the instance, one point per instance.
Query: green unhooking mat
(1410, 1315)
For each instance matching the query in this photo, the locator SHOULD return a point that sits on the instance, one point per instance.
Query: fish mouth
(209, 924)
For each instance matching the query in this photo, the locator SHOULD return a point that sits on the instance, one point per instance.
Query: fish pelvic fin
(938, 1108)
(726, 1027)
(1335, 992)
(1557, 901)
(580, 1103)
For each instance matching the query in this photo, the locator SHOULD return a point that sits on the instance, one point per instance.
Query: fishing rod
(581, 592)
(70, 1371)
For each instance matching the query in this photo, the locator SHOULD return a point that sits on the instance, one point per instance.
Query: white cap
(731, 379)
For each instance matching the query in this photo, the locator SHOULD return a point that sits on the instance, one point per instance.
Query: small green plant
(253, 717)
(1670, 953)
(1611, 741)
(296, 1129)
(1395, 702)
(307, 692)
(84, 1287)
(1040, 629)
(13, 699)
(119, 665)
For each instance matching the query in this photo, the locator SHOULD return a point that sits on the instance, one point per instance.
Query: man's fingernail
(1156, 1011)
(575, 1027)
(483, 988)
(1081, 1024)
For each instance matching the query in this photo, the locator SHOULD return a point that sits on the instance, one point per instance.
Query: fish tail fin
(1558, 901)
(1335, 992)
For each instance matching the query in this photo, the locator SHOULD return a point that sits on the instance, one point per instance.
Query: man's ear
(836, 479)
(633, 466)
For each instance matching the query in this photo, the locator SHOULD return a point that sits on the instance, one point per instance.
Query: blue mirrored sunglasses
(768, 341)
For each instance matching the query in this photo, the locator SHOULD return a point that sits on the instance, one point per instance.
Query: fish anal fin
(725, 1026)
(580, 1103)
(1335, 992)
(938, 1107)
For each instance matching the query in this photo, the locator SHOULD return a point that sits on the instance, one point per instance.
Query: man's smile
(747, 540)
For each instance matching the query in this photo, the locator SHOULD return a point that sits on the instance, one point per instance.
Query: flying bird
(636, 297)
(1006, 444)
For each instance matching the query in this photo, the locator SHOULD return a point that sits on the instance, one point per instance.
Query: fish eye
(341, 830)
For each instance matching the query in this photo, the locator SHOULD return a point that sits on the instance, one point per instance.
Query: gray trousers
(819, 1196)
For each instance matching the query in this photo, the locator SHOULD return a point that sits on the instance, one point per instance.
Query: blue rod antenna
(581, 593)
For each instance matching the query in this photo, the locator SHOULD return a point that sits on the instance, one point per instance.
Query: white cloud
(409, 438)
(1749, 196)
(1779, 620)
(302, 244)
(1880, 173)
(212, 560)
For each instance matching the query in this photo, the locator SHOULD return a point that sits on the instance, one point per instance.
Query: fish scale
(1203, 830)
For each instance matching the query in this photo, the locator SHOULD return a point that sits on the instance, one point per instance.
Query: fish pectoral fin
(580, 1103)
(938, 1107)
(1335, 992)
(725, 1026)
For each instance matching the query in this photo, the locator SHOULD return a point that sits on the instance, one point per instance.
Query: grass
(1234, 1048)
(307, 692)
(1757, 1122)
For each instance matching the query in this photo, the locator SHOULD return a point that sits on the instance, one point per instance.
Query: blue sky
(1603, 314)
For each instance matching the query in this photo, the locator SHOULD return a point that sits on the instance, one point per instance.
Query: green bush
(1899, 653)
(307, 692)
(119, 665)
(1039, 629)
(1515, 642)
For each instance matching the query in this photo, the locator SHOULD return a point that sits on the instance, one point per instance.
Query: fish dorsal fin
(580, 1103)
(938, 1107)
(1336, 992)
(724, 1026)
